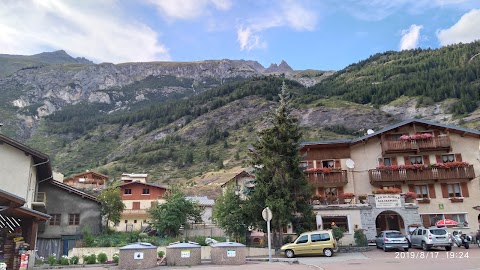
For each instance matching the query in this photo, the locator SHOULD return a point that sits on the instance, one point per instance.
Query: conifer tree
(280, 182)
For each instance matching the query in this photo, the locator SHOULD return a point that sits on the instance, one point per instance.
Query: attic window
(127, 191)
(146, 191)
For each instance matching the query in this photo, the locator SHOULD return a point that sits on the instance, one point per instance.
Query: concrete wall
(60, 201)
(20, 173)
(353, 214)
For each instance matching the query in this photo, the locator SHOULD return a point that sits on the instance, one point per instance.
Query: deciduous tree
(112, 205)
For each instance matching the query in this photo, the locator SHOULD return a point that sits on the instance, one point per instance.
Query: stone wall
(128, 260)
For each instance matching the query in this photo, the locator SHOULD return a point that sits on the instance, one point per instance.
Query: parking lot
(436, 259)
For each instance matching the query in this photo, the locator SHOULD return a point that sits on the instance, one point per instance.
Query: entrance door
(389, 220)
(65, 247)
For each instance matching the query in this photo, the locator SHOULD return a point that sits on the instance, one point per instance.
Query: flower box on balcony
(456, 199)
(424, 200)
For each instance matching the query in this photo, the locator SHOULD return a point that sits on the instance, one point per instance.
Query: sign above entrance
(387, 200)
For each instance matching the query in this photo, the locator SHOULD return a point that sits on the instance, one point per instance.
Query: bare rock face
(282, 68)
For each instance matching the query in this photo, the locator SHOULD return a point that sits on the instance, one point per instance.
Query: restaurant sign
(387, 200)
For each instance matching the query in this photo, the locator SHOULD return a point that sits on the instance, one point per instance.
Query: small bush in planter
(338, 233)
(74, 260)
(90, 259)
(102, 257)
(52, 259)
(410, 195)
(161, 253)
(64, 260)
(115, 258)
(360, 238)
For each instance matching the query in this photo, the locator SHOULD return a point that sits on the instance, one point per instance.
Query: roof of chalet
(12, 206)
(73, 190)
(201, 200)
(146, 184)
(41, 160)
(460, 130)
(238, 175)
(87, 172)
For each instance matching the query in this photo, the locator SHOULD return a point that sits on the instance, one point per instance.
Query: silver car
(391, 239)
(426, 238)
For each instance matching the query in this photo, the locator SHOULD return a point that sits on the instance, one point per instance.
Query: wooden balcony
(331, 179)
(424, 174)
(441, 143)
(134, 212)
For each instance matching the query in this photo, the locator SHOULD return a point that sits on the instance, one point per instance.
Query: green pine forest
(183, 136)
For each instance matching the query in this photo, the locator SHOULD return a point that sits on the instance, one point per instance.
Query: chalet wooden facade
(437, 162)
(87, 179)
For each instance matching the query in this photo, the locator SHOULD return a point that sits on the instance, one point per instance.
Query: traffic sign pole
(268, 235)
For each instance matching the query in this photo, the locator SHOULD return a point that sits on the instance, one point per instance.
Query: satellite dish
(350, 164)
(370, 131)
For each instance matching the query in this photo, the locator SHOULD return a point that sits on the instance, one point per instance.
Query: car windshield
(393, 235)
(438, 231)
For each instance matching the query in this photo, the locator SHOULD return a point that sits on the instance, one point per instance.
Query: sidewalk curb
(287, 260)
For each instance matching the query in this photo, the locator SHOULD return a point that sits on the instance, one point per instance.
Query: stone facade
(137, 258)
(229, 253)
(184, 254)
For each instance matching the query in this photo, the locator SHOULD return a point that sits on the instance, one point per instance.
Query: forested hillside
(434, 75)
(202, 137)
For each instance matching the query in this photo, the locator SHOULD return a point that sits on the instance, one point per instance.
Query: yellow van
(316, 242)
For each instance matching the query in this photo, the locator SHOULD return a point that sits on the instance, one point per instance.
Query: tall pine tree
(280, 183)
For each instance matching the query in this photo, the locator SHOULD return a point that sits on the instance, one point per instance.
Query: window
(339, 221)
(387, 162)
(55, 219)
(331, 191)
(74, 219)
(454, 190)
(135, 221)
(136, 205)
(146, 191)
(460, 218)
(395, 137)
(435, 218)
(126, 221)
(416, 160)
(422, 191)
(328, 163)
(127, 191)
(448, 158)
(302, 239)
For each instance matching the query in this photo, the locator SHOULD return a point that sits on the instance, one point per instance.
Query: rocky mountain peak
(282, 68)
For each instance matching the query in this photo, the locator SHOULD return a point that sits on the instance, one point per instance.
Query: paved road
(415, 259)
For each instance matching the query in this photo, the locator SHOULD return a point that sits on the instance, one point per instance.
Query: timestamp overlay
(432, 255)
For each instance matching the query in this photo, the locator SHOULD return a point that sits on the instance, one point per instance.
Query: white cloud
(465, 30)
(410, 37)
(188, 9)
(288, 14)
(93, 29)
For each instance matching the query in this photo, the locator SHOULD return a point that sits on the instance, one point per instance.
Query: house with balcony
(437, 162)
(138, 197)
(134, 177)
(88, 179)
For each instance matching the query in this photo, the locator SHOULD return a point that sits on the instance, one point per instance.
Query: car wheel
(384, 248)
(405, 249)
(376, 244)
(328, 252)
(289, 253)
(425, 247)
(448, 248)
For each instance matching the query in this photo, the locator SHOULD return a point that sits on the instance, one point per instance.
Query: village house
(23, 169)
(88, 179)
(138, 197)
(72, 211)
(437, 162)
(242, 183)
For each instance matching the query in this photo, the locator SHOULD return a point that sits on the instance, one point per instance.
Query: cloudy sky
(308, 34)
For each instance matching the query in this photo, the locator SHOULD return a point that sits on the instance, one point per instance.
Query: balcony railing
(134, 212)
(333, 178)
(40, 200)
(431, 144)
(424, 174)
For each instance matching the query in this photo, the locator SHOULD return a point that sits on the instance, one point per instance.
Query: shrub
(90, 259)
(360, 238)
(74, 260)
(102, 257)
(338, 233)
(411, 195)
(115, 258)
(288, 239)
(64, 260)
(52, 259)
(161, 253)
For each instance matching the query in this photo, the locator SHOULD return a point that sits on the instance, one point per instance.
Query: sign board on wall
(231, 253)
(387, 200)
(138, 256)
(185, 254)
